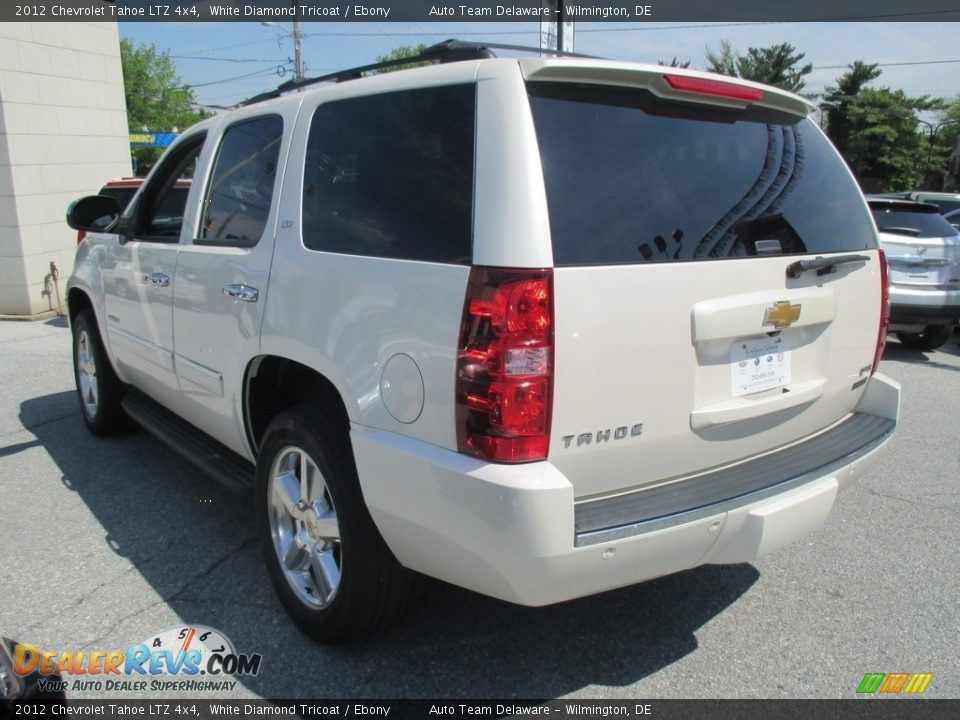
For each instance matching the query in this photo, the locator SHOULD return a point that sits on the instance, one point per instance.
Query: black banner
(474, 10)
(860, 709)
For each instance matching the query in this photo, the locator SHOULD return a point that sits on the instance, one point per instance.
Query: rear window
(944, 205)
(632, 179)
(914, 221)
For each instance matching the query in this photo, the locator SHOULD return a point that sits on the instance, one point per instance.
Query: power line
(230, 79)
(641, 28)
(230, 47)
(421, 34)
(889, 64)
(233, 60)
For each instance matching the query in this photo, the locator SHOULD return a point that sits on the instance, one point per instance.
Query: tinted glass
(902, 220)
(123, 195)
(633, 179)
(392, 175)
(943, 205)
(162, 202)
(241, 188)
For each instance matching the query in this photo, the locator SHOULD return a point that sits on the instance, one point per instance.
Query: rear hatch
(682, 343)
(923, 249)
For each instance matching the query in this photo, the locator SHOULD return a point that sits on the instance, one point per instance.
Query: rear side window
(632, 179)
(391, 175)
(241, 188)
(914, 221)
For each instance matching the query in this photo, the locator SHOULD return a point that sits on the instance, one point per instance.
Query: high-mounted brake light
(717, 88)
(884, 311)
(504, 382)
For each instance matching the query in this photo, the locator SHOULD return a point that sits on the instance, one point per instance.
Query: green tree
(837, 100)
(404, 51)
(945, 152)
(878, 132)
(723, 62)
(883, 146)
(674, 63)
(775, 65)
(157, 98)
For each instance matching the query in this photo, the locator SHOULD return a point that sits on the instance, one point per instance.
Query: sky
(228, 62)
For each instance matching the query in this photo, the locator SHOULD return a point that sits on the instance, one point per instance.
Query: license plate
(759, 364)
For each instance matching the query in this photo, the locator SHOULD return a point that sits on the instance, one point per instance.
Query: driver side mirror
(94, 213)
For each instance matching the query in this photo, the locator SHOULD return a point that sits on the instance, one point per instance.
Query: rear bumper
(911, 306)
(512, 531)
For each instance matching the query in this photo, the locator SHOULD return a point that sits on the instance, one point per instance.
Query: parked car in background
(923, 251)
(123, 189)
(953, 217)
(945, 202)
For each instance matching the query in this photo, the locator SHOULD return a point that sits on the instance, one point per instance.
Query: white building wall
(63, 132)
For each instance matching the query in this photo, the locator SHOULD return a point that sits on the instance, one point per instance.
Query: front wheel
(330, 567)
(98, 387)
(930, 338)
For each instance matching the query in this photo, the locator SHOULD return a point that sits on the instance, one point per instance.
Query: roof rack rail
(443, 52)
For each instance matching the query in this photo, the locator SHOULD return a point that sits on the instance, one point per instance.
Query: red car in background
(123, 189)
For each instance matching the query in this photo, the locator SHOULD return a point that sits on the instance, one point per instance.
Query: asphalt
(104, 543)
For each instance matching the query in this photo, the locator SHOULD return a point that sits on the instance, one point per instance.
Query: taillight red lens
(505, 365)
(884, 311)
(717, 88)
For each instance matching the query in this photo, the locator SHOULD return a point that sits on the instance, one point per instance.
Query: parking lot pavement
(107, 542)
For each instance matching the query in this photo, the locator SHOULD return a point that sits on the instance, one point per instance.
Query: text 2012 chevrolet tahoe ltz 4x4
(536, 327)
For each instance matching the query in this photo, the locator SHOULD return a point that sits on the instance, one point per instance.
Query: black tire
(372, 588)
(930, 338)
(100, 401)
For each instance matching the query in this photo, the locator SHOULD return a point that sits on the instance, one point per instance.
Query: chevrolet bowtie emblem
(781, 315)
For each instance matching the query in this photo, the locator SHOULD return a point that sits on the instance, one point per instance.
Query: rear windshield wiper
(823, 265)
(900, 231)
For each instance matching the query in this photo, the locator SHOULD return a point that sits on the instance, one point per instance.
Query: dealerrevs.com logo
(193, 658)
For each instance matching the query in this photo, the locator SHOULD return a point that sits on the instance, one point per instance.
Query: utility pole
(556, 34)
(934, 129)
(298, 69)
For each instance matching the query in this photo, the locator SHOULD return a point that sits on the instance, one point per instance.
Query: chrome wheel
(304, 527)
(87, 375)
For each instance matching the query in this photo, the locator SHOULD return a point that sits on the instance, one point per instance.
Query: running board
(211, 456)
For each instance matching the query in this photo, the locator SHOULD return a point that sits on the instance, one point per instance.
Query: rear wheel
(98, 388)
(930, 338)
(331, 569)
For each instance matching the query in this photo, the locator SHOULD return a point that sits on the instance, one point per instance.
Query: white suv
(536, 327)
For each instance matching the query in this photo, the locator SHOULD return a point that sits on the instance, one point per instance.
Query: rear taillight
(505, 365)
(884, 311)
(81, 234)
(716, 88)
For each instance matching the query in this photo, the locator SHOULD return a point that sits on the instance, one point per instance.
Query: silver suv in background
(923, 252)
(945, 202)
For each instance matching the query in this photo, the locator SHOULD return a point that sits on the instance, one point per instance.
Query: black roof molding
(443, 52)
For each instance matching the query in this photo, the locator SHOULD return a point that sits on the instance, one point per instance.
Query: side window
(160, 215)
(241, 188)
(391, 175)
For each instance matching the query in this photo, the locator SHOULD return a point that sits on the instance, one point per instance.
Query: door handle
(158, 279)
(242, 292)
